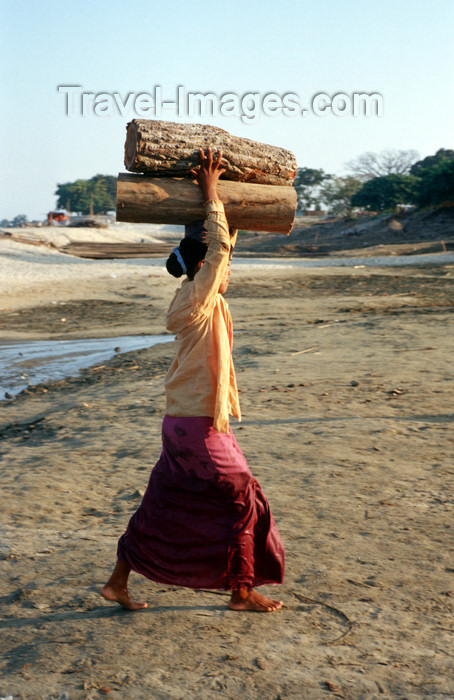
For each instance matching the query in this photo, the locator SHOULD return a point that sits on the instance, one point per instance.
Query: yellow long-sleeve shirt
(201, 379)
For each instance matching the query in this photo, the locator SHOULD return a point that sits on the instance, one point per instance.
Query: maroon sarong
(204, 521)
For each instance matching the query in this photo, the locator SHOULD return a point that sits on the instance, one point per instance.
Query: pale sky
(400, 49)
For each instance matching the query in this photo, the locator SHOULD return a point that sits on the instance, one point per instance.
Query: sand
(345, 379)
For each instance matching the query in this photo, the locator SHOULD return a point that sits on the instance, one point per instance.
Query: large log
(171, 149)
(144, 199)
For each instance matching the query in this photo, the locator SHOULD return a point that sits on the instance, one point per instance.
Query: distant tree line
(94, 196)
(379, 182)
(19, 220)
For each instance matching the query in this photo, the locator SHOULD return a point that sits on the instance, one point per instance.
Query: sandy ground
(346, 392)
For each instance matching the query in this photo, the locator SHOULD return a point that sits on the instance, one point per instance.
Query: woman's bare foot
(119, 594)
(248, 599)
(116, 588)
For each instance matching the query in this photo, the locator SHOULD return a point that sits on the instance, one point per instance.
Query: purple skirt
(204, 521)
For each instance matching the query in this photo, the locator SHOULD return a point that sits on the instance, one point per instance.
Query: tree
(386, 192)
(19, 220)
(94, 196)
(441, 156)
(4, 223)
(307, 184)
(337, 193)
(436, 184)
(388, 162)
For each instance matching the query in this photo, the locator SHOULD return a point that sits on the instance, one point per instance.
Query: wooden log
(165, 200)
(171, 149)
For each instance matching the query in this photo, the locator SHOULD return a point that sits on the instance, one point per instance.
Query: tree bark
(170, 149)
(165, 200)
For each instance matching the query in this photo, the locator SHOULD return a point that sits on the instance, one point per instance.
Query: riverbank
(345, 379)
(40, 275)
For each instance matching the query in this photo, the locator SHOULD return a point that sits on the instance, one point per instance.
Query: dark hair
(192, 252)
(195, 230)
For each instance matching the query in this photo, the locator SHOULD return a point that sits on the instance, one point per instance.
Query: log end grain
(130, 145)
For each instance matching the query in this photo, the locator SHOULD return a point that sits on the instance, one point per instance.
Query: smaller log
(143, 199)
(170, 149)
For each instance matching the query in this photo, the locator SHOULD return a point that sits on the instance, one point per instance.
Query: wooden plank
(107, 251)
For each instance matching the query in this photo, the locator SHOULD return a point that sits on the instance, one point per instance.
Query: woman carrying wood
(204, 521)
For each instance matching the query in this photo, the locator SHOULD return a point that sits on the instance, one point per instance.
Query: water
(376, 261)
(24, 363)
(37, 361)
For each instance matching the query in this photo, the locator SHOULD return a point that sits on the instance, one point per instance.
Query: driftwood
(171, 149)
(144, 199)
(24, 239)
(106, 251)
